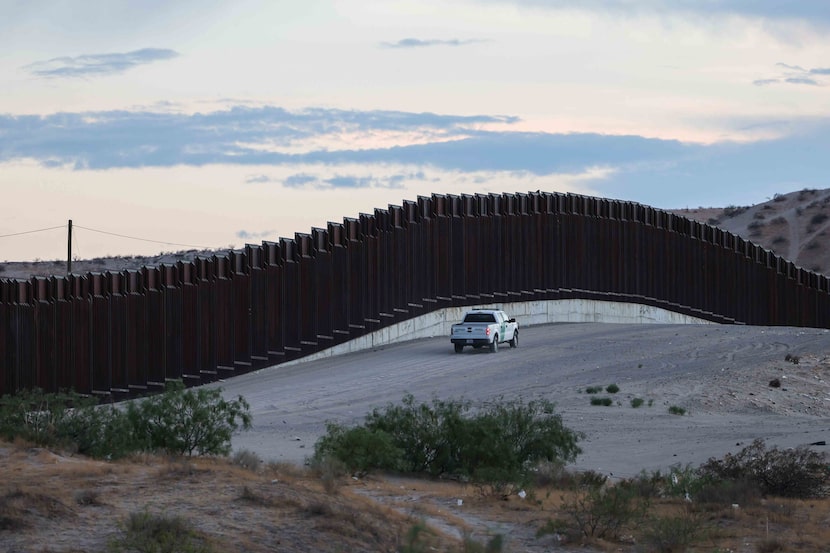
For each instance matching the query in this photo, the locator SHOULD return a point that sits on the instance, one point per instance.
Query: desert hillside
(794, 225)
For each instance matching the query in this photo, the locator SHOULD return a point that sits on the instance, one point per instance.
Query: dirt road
(719, 374)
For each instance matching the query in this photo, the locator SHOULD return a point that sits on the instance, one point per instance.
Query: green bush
(497, 444)
(605, 512)
(606, 401)
(612, 388)
(359, 448)
(676, 410)
(593, 389)
(159, 534)
(177, 421)
(637, 402)
(247, 459)
(673, 533)
(37, 416)
(728, 492)
(102, 432)
(187, 421)
(796, 473)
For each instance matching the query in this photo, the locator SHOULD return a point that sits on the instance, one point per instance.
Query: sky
(161, 126)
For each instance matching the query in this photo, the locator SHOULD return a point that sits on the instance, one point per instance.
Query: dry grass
(59, 504)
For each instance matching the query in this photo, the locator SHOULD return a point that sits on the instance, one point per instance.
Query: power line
(142, 239)
(30, 231)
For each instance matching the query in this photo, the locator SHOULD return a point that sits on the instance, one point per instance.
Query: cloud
(811, 11)
(239, 136)
(420, 43)
(257, 179)
(246, 235)
(648, 170)
(795, 75)
(790, 67)
(96, 65)
(341, 181)
(801, 80)
(300, 180)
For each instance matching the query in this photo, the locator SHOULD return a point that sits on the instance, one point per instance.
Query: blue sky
(213, 124)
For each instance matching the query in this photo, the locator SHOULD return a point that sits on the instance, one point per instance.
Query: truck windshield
(480, 318)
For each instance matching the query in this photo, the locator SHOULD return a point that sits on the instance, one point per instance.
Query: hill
(795, 225)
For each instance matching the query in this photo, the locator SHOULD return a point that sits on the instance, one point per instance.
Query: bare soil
(57, 502)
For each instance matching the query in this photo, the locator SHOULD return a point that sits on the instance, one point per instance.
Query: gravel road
(719, 373)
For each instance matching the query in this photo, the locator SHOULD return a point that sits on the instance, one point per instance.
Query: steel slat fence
(119, 334)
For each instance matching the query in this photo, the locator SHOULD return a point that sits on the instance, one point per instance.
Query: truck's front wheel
(494, 346)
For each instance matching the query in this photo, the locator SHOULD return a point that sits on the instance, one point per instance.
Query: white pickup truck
(485, 327)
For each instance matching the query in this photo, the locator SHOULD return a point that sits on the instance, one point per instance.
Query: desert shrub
(499, 443)
(418, 539)
(605, 401)
(778, 221)
(558, 527)
(797, 473)
(593, 389)
(159, 534)
(682, 481)
(177, 421)
(605, 511)
(670, 534)
(87, 497)
(99, 431)
(330, 470)
(187, 421)
(591, 479)
(37, 416)
(645, 484)
(612, 388)
(732, 211)
(677, 410)
(636, 402)
(794, 359)
(728, 492)
(779, 240)
(779, 197)
(359, 449)
(247, 459)
(771, 545)
(818, 218)
(495, 544)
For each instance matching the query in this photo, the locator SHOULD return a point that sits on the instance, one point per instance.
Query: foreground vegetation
(178, 421)
(165, 482)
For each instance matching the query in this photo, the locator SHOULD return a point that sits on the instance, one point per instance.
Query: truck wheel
(459, 348)
(514, 343)
(494, 346)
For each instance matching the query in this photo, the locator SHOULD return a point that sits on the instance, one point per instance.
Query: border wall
(122, 334)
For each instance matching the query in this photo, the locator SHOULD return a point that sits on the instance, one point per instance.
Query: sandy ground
(719, 374)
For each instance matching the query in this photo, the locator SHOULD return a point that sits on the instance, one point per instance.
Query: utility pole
(69, 249)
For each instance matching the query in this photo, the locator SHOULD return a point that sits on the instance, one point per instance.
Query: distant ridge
(795, 226)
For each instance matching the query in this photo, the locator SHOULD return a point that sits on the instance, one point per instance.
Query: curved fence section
(120, 334)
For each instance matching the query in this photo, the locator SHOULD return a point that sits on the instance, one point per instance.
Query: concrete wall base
(528, 313)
